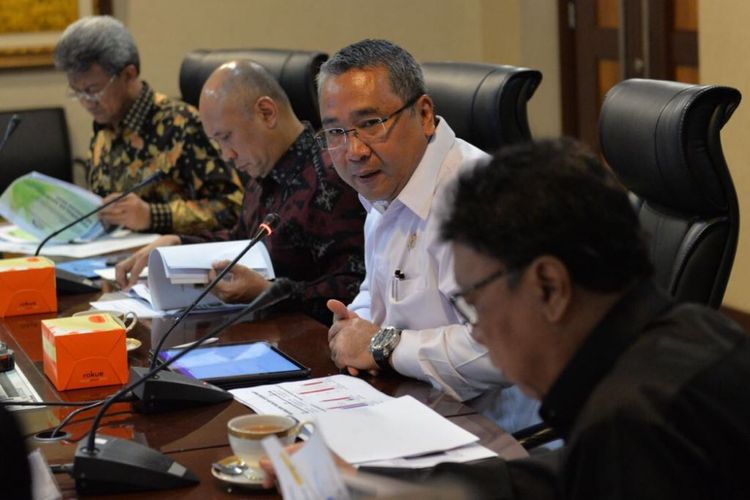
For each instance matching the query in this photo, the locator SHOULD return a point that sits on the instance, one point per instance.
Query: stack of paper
(365, 426)
(174, 270)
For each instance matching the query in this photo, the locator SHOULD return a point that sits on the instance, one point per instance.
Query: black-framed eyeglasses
(369, 130)
(466, 310)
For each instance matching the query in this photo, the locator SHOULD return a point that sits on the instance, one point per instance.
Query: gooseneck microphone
(104, 464)
(159, 175)
(9, 129)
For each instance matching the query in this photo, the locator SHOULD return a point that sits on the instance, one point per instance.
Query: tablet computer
(236, 365)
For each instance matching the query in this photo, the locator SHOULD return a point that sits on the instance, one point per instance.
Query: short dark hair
(101, 40)
(404, 72)
(550, 197)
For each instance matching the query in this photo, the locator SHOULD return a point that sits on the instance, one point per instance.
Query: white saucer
(249, 479)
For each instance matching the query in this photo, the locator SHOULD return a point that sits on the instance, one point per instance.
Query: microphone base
(168, 391)
(118, 465)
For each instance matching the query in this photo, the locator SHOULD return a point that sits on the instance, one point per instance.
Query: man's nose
(228, 154)
(356, 148)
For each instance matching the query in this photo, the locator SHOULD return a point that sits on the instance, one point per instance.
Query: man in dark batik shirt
(319, 243)
(138, 132)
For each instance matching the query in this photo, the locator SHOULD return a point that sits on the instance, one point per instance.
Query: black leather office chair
(485, 104)
(295, 70)
(663, 141)
(39, 143)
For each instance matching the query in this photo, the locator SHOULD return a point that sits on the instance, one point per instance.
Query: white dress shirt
(410, 278)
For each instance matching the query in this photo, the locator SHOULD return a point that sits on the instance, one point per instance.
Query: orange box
(27, 286)
(84, 351)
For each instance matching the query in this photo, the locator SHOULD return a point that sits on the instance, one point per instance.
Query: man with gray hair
(319, 243)
(386, 142)
(138, 132)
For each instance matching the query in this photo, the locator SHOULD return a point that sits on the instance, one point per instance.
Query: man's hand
(265, 464)
(130, 212)
(241, 284)
(128, 270)
(349, 340)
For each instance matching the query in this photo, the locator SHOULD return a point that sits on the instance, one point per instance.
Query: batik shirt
(319, 242)
(199, 192)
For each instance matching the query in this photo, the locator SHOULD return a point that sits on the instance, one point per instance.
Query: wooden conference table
(197, 437)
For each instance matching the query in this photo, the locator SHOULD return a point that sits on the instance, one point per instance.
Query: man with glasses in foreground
(386, 142)
(138, 132)
(649, 395)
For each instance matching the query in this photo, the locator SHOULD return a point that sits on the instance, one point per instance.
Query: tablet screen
(235, 363)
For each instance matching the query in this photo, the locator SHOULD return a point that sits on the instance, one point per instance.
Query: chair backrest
(663, 141)
(295, 70)
(485, 104)
(39, 143)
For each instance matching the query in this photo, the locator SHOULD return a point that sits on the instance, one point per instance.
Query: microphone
(12, 124)
(159, 175)
(104, 464)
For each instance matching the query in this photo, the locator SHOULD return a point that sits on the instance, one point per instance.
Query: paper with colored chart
(40, 204)
(308, 397)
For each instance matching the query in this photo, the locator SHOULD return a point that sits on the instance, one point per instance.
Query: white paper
(400, 427)
(308, 474)
(119, 240)
(109, 273)
(463, 454)
(43, 483)
(174, 270)
(308, 397)
(140, 308)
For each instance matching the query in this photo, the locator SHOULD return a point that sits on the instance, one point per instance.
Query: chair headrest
(485, 104)
(295, 70)
(663, 140)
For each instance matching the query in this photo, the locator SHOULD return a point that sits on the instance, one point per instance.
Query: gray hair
(404, 72)
(248, 80)
(101, 40)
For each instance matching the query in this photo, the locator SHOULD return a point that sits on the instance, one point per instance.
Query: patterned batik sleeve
(214, 191)
(336, 237)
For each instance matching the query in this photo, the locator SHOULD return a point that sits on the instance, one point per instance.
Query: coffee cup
(247, 431)
(128, 320)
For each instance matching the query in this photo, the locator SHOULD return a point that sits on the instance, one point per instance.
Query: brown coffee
(263, 428)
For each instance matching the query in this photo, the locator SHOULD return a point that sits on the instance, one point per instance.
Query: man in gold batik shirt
(138, 132)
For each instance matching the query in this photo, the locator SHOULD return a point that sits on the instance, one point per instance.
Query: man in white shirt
(386, 142)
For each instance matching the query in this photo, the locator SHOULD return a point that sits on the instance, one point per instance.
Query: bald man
(320, 243)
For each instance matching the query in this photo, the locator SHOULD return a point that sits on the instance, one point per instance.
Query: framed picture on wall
(29, 29)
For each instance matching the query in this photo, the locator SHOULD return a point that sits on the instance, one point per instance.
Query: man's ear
(552, 286)
(267, 111)
(426, 112)
(129, 73)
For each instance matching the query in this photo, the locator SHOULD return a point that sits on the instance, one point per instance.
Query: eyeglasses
(466, 310)
(90, 96)
(369, 130)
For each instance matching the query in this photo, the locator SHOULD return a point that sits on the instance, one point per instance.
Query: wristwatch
(382, 345)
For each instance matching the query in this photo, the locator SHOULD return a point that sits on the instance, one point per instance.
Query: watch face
(384, 338)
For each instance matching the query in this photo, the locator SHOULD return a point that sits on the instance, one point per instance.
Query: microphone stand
(169, 390)
(156, 177)
(105, 464)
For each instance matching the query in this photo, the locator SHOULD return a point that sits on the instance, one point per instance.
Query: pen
(398, 275)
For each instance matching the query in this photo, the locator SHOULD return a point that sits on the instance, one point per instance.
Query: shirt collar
(291, 163)
(420, 190)
(599, 352)
(136, 115)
